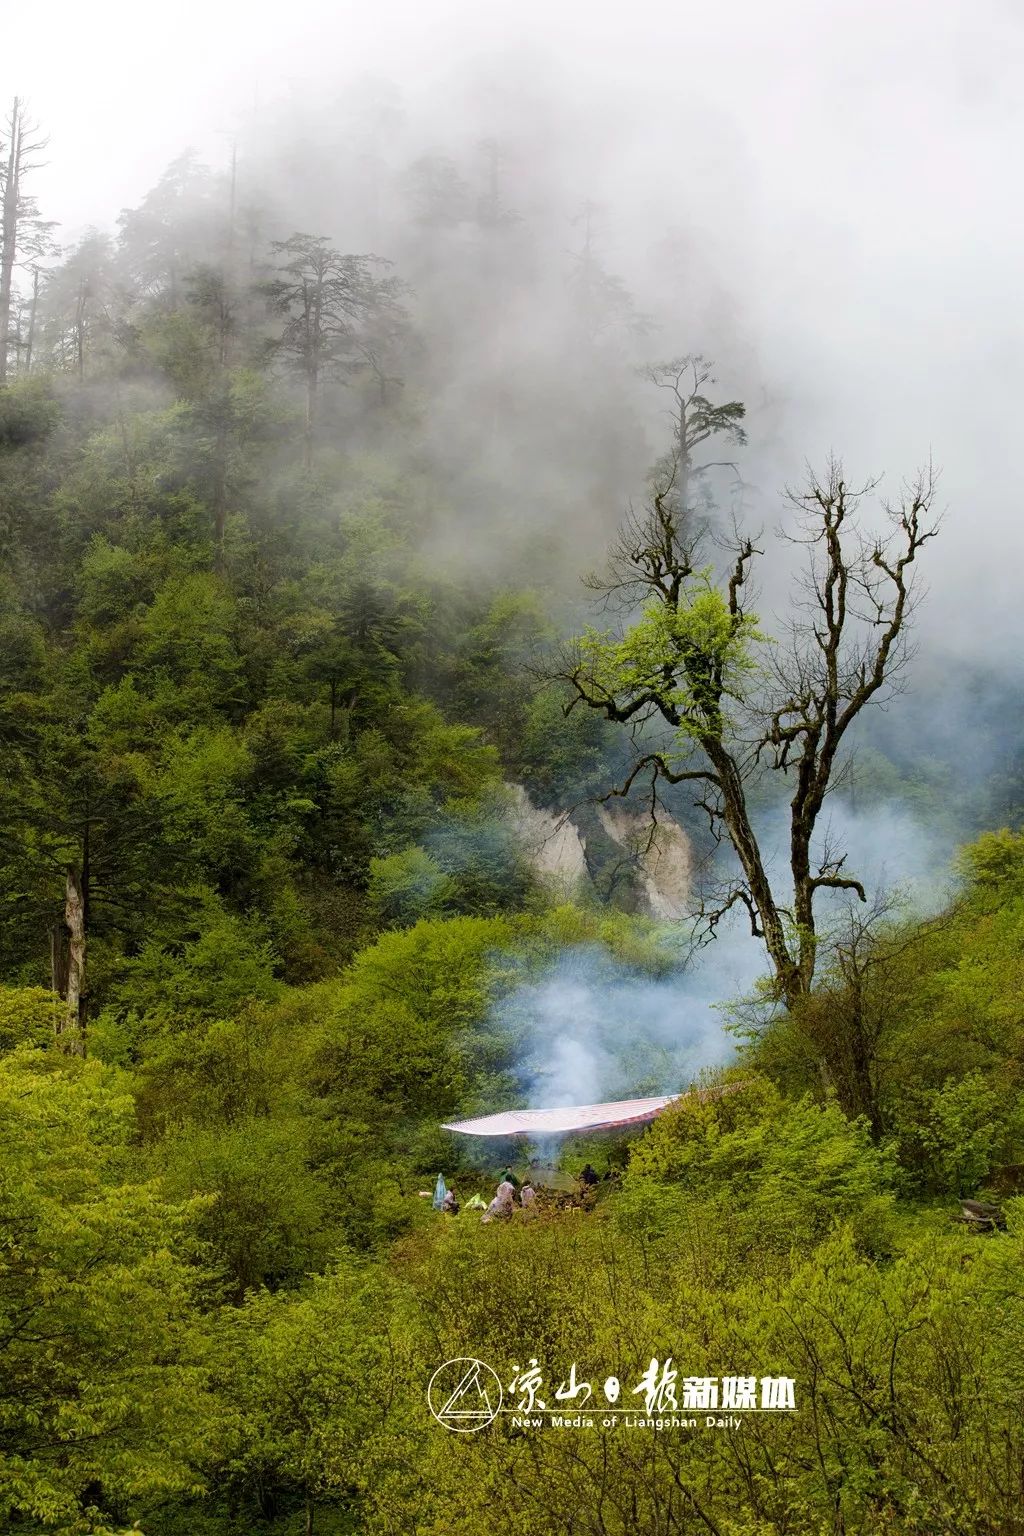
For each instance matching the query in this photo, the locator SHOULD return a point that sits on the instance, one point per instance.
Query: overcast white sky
(854, 166)
(834, 96)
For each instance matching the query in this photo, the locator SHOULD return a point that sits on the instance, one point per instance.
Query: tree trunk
(865, 1096)
(9, 234)
(58, 962)
(32, 320)
(228, 270)
(792, 984)
(312, 384)
(80, 330)
(314, 343)
(347, 711)
(220, 491)
(74, 1003)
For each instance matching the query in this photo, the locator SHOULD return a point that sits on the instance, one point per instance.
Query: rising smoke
(590, 1029)
(594, 1030)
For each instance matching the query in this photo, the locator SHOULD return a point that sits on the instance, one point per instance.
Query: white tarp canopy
(564, 1121)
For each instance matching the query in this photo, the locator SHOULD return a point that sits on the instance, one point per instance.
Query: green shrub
(27, 1016)
(778, 1173)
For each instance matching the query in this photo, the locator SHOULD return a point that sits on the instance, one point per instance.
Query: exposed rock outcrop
(552, 843)
(611, 848)
(662, 854)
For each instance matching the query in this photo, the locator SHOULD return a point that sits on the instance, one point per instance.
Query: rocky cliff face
(552, 842)
(612, 850)
(662, 856)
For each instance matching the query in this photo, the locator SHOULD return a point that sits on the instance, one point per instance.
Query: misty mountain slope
(383, 483)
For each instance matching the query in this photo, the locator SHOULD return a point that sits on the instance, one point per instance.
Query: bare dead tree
(21, 229)
(695, 662)
(74, 917)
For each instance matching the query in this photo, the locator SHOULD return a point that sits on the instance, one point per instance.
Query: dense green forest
(272, 674)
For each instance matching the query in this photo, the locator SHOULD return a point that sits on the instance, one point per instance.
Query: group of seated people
(504, 1202)
(512, 1193)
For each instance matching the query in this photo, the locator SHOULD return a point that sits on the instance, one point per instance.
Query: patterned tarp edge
(563, 1120)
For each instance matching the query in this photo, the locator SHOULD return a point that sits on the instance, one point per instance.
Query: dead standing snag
(696, 662)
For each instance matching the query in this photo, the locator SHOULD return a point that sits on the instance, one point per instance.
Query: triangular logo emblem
(469, 1401)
